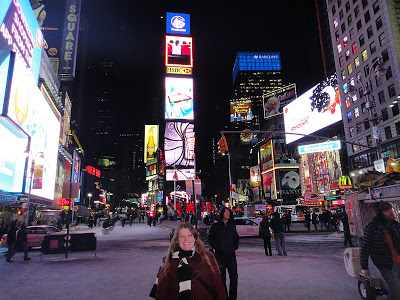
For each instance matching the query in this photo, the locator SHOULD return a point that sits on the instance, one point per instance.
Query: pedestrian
(381, 242)
(314, 220)
(188, 271)
(98, 221)
(288, 220)
(279, 233)
(265, 233)
(131, 220)
(224, 239)
(335, 221)
(3, 229)
(155, 218)
(11, 241)
(346, 229)
(321, 218)
(123, 220)
(328, 219)
(22, 241)
(307, 218)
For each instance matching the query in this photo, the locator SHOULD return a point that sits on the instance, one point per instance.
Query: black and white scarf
(184, 274)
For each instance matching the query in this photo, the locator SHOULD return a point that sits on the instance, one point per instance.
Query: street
(127, 261)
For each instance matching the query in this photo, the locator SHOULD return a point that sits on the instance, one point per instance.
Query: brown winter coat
(168, 287)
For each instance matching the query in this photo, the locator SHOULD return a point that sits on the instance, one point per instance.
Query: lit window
(347, 53)
(354, 47)
(339, 48)
(349, 68)
(357, 62)
(345, 86)
(349, 116)
(341, 61)
(364, 55)
(335, 22)
(352, 131)
(345, 41)
(354, 98)
(337, 35)
(356, 112)
(348, 102)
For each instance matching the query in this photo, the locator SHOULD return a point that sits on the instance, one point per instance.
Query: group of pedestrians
(17, 240)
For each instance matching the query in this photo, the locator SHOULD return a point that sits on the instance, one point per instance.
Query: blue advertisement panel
(179, 144)
(20, 33)
(178, 23)
(4, 67)
(69, 42)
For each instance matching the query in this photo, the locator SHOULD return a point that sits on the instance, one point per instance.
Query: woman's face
(186, 239)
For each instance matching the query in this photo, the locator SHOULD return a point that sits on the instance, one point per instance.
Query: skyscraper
(365, 36)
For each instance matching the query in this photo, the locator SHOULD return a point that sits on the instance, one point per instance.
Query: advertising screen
(267, 156)
(179, 144)
(20, 32)
(30, 111)
(178, 23)
(255, 177)
(4, 67)
(289, 184)
(316, 109)
(150, 142)
(241, 111)
(269, 185)
(276, 100)
(179, 98)
(12, 160)
(178, 51)
(181, 175)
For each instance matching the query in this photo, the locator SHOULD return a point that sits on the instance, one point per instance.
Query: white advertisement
(318, 108)
(181, 175)
(30, 110)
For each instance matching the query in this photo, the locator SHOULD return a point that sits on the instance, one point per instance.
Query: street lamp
(90, 196)
(380, 70)
(40, 159)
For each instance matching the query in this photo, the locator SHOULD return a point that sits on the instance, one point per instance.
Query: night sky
(132, 33)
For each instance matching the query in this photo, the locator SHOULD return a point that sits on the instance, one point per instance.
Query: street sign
(386, 154)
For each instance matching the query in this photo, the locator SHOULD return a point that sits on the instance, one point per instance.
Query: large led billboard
(181, 174)
(275, 101)
(241, 111)
(318, 108)
(179, 98)
(178, 23)
(150, 142)
(256, 61)
(20, 33)
(178, 51)
(30, 111)
(179, 144)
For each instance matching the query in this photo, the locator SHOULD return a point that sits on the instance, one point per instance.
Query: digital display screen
(178, 23)
(178, 51)
(150, 142)
(31, 112)
(179, 98)
(275, 101)
(181, 175)
(317, 108)
(241, 111)
(179, 144)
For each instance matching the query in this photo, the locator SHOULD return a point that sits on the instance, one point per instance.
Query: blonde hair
(198, 246)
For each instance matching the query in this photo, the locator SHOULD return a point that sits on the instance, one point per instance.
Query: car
(246, 227)
(35, 235)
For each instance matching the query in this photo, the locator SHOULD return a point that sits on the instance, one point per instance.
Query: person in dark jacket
(279, 233)
(346, 229)
(265, 226)
(22, 241)
(314, 220)
(11, 241)
(381, 242)
(224, 239)
(307, 218)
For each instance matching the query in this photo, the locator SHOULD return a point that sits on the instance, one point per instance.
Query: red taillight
(301, 216)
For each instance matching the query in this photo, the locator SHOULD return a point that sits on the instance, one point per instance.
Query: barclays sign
(178, 23)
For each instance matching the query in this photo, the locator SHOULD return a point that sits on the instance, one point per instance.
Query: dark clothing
(374, 244)
(22, 241)
(346, 229)
(266, 235)
(224, 239)
(307, 218)
(314, 220)
(277, 225)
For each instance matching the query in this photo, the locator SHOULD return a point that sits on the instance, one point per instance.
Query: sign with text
(328, 146)
(179, 70)
(277, 99)
(178, 23)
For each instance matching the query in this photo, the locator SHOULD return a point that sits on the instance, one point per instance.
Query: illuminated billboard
(179, 98)
(181, 174)
(241, 111)
(150, 142)
(20, 32)
(178, 51)
(275, 101)
(30, 111)
(289, 184)
(178, 23)
(318, 108)
(266, 155)
(179, 144)
(256, 61)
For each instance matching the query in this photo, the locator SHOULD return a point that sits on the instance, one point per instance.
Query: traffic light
(222, 145)
(20, 212)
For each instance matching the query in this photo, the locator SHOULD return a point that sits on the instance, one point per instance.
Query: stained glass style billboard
(178, 51)
(179, 144)
(179, 98)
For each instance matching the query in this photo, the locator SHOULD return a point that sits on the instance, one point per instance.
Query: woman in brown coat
(188, 271)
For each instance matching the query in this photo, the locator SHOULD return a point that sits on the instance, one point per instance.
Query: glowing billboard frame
(316, 109)
(179, 144)
(150, 144)
(179, 98)
(178, 23)
(178, 51)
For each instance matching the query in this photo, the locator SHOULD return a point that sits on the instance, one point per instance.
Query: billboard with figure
(277, 99)
(179, 98)
(179, 144)
(178, 51)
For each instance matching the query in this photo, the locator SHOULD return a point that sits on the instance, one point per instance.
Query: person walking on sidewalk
(279, 233)
(265, 233)
(346, 229)
(224, 239)
(11, 241)
(22, 241)
(381, 242)
(307, 218)
(314, 220)
(188, 271)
